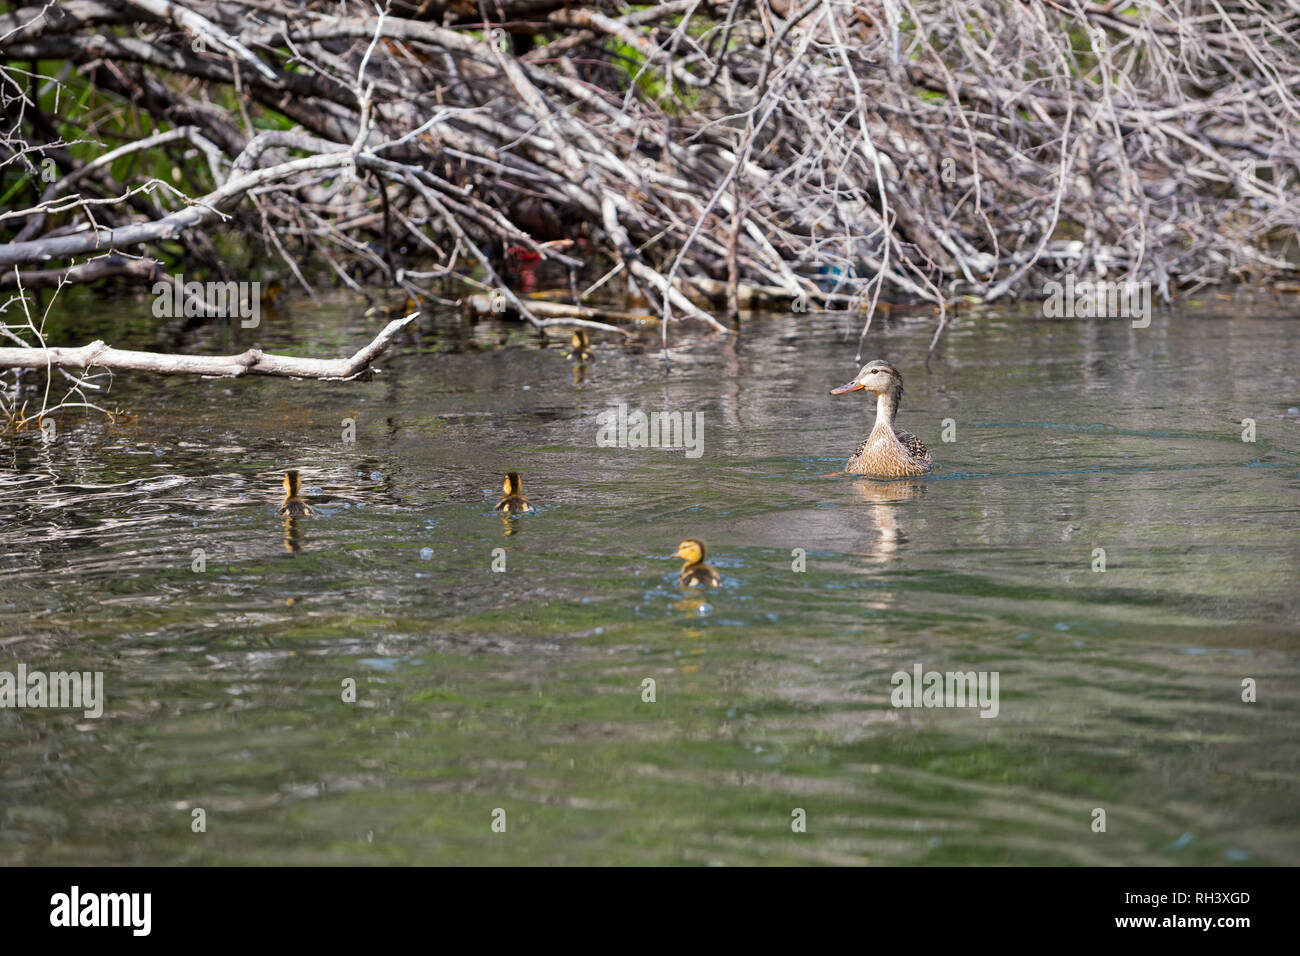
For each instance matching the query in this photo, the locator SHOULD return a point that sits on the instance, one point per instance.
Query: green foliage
(649, 81)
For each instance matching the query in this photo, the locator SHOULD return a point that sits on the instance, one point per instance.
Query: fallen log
(558, 313)
(112, 266)
(754, 295)
(252, 362)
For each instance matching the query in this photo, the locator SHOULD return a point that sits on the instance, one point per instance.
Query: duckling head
(878, 377)
(512, 484)
(579, 340)
(292, 484)
(691, 551)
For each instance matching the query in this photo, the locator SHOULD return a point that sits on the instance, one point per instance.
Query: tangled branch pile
(825, 150)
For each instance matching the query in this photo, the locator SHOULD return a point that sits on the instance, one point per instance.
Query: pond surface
(522, 690)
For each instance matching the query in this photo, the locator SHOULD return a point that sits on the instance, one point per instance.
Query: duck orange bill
(852, 386)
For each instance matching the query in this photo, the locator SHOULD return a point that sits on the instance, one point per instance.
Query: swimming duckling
(887, 452)
(513, 501)
(293, 503)
(579, 347)
(695, 573)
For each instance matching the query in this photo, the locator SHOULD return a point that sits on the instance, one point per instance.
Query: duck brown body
(890, 453)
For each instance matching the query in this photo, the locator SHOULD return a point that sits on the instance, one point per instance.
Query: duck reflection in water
(695, 604)
(292, 534)
(885, 500)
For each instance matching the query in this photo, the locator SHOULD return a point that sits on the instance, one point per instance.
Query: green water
(522, 690)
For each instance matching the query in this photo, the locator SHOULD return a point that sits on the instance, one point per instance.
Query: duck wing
(915, 447)
(514, 504)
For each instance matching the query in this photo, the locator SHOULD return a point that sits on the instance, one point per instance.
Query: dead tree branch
(839, 151)
(252, 362)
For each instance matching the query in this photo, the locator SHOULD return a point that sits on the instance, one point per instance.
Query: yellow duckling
(513, 501)
(274, 289)
(293, 503)
(695, 573)
(888, 452)
(579, 347)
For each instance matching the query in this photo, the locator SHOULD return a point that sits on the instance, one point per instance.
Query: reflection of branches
(824, 149)
(13, 411)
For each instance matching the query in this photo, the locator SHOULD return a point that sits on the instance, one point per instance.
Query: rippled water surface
(522, 690)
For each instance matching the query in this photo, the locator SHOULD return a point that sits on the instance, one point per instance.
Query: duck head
(877, 377)
(691, 551)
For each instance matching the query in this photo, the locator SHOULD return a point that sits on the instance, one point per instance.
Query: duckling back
(700, 576)
(514, 504)
(579, 349)
(513, 500)
(293, 503)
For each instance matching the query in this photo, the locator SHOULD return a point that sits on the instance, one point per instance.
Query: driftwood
(753, 296)
(112, 266)
(252, 362)
(557, 313)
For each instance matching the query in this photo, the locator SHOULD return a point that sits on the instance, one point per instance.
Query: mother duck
(887, 452)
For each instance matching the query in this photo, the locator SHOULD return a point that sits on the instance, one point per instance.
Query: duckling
(274, 289)
(695, 573)
(513, 501)
(579, 347)
(293, 503)
(887, 452)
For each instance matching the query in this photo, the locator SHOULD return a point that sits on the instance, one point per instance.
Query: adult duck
(888, 452)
